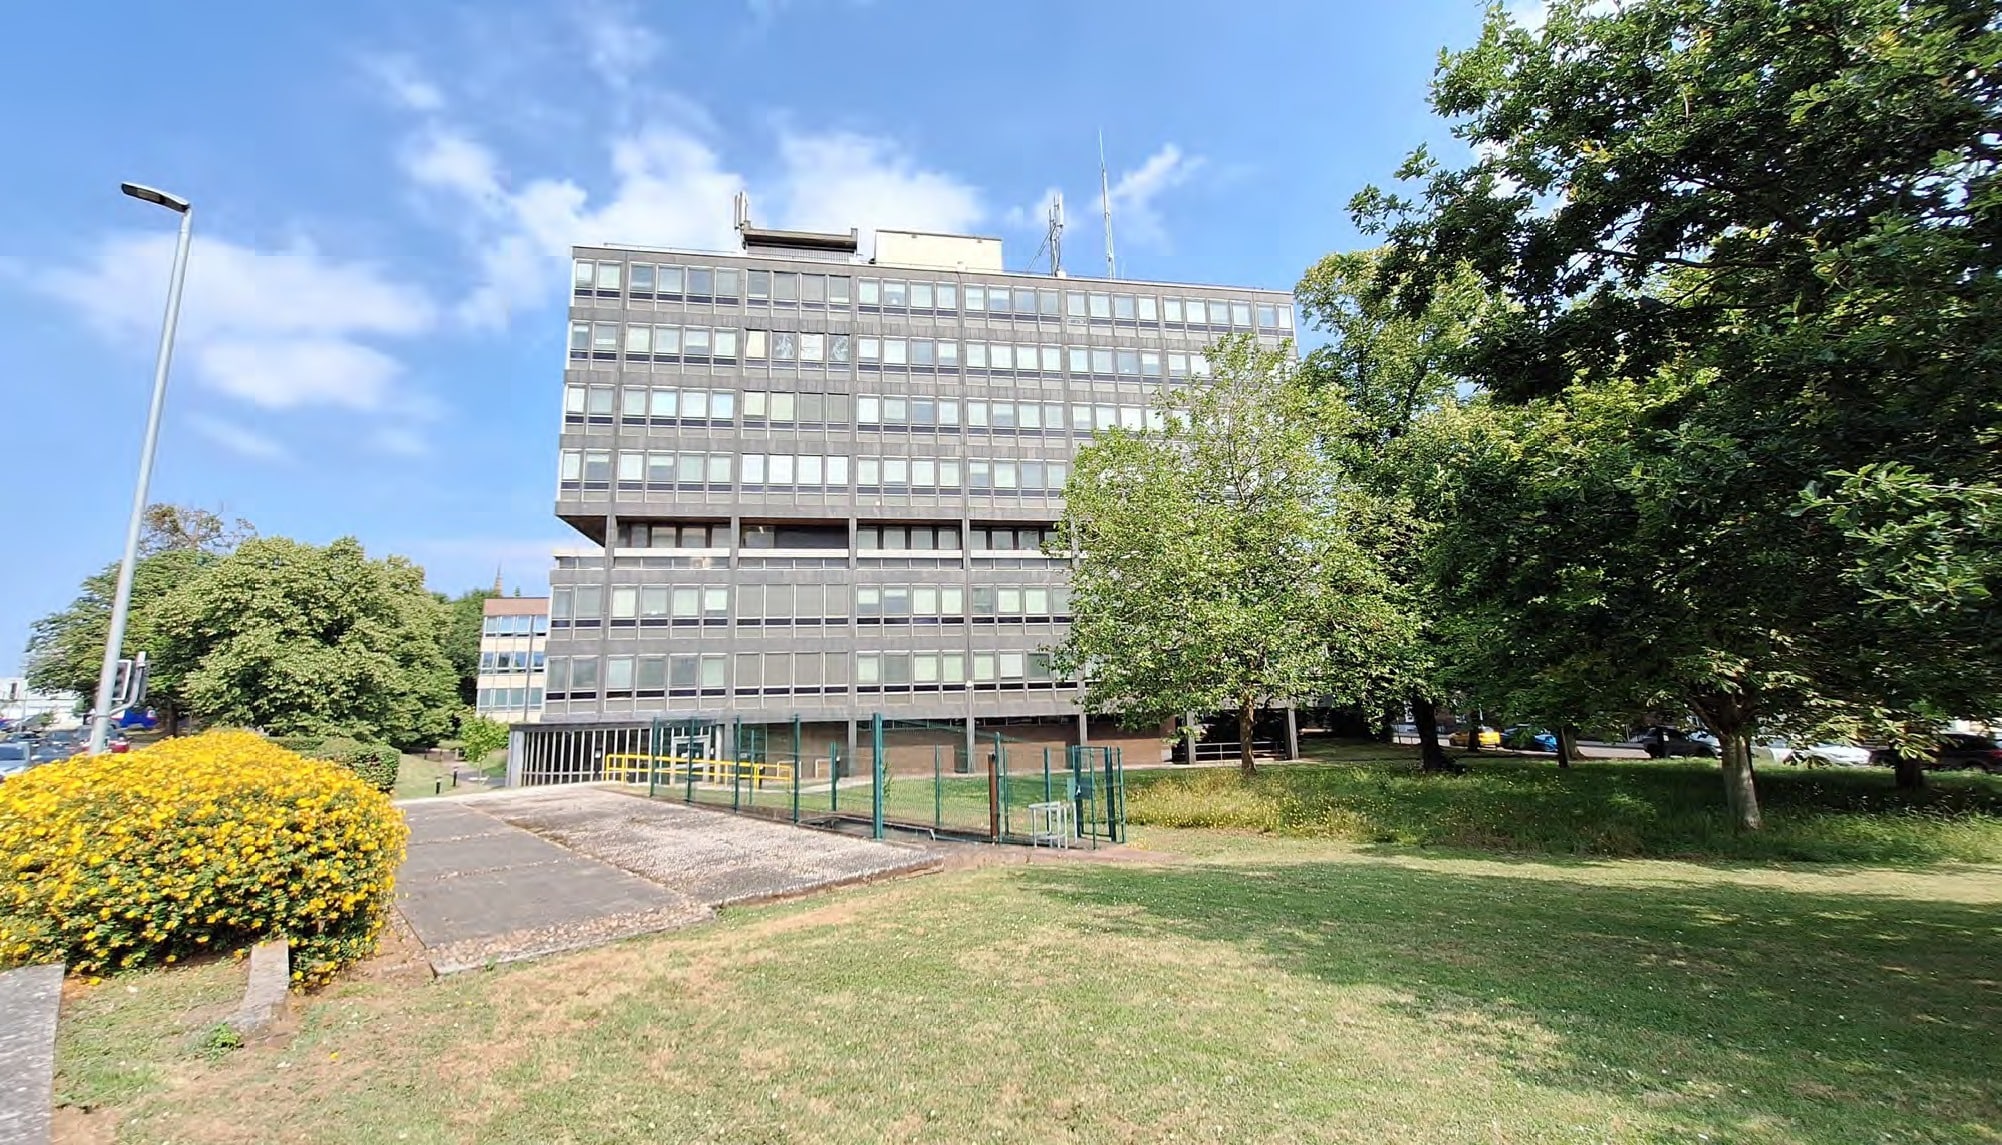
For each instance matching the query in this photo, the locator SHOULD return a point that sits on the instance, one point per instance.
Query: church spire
(497, 580)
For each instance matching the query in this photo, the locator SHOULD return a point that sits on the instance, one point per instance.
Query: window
(948, 355)
(580, 335)
(1074, 303)
(670, 279)
(584, 271)
(812, 347)
(1122, 307)
(755, 343)
(1101, 361)
(1219, 313)
(695, 340)
(608, 276)
(701, 281)
(639, 339)
(837, 349)
(1025, 302)
(1172, 309)
(869, 292)
(667, 339)
(812, 288)
(1101, 306)
(837, 290)
(1268, 317)
(583, 674)
(1080, 359)
(604, 338)
(619, 673)
(1148, 305)
(1178, 365)
(785, 346)
(976, 298)
(597, 465)
(726, 343)
(726, 283)
(1129, 363)
(976, 355)
(785, 287)
(1150, 363)
(758, 285)
(896, 293)
(1240, 314)
(1046, 303)
(590, 602)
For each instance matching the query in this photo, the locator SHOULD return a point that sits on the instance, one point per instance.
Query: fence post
(1046, 774)
(876, 776)
(937, 789)
(833, 777)
(993, 799)
(689, 764)
(652, 758)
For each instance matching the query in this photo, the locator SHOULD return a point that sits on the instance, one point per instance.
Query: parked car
(1955, 751)
(15, 758)
(1489, 738)
(1522, 737)
(1665, 742)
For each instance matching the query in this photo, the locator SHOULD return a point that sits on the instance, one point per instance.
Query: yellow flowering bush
(197, 843)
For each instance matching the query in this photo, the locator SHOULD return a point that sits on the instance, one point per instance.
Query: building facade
(514, 647)
(816, 487)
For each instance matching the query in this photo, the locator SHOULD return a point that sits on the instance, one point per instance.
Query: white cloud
(1135, 217)
(618, 47)
(1034, 217)
(1529, 14)
(279, 329)
(670, 188)
(400, 82)
(237, 439)
(840, 180)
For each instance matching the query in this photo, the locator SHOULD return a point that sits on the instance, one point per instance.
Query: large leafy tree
(1753, 243)
(1213, 569)
(1385, 371)
(292, 637)
(176, 542)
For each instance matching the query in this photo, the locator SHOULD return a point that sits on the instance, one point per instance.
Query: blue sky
(385, 195)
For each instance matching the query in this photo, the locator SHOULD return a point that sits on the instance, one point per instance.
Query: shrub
(200, 843)
(375, 762)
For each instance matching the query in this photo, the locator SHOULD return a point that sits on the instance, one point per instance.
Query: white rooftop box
(917, 248)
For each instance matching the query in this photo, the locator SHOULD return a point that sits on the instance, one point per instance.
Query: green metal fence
(905, 775)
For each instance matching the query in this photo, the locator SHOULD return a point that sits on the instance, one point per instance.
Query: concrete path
(477, 891)
(28, 1001)
(526, 872)
(714, 856)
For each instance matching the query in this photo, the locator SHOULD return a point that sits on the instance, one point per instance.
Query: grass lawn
(417, 776)
(1372, 793)
(1223, 987)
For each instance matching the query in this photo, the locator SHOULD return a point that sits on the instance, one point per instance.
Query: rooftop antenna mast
(1105, 197)
(1056, 235)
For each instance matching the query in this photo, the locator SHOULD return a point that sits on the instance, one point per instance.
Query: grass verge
(1250, 989)
(1373, 794)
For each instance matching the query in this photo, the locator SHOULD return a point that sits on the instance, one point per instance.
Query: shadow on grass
(1601, 808)
(1847, 1017)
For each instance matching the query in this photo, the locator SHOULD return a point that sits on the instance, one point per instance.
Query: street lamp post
(107, 676)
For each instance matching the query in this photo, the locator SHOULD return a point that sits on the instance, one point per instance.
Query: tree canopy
(1746, 256)
(297, 638)
(1210, 574)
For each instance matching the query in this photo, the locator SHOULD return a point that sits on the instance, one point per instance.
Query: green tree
(299, 639)
(1388, 370)
(66, 648)
(465, 617)
(1213, 572)
(1752, 242)
(480, 737)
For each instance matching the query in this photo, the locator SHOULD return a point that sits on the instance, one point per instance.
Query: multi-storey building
(514, 644)
(819, 487)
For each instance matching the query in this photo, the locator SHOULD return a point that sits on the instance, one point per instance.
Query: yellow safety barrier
(627, 768)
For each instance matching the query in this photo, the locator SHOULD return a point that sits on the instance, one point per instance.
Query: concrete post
(1292, 733)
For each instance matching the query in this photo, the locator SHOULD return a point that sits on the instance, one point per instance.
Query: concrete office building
(818, 486)
(514, 641)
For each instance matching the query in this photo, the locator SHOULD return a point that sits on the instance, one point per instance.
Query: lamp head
(154, 195)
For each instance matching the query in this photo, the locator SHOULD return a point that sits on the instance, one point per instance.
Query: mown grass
(1273, 989)
(1373, 794)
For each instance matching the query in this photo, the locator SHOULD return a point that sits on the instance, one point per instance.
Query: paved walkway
(527, 872)
(28, 1000)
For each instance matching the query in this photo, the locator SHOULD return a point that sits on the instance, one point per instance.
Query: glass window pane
(1148, 305)
(837, 290)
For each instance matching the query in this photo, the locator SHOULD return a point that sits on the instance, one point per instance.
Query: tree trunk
(1911, 772)
(1386, 728)
(1739, 790)
(1425, 717)
(1474, 734)
(1246, 713)
(1567, 745)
